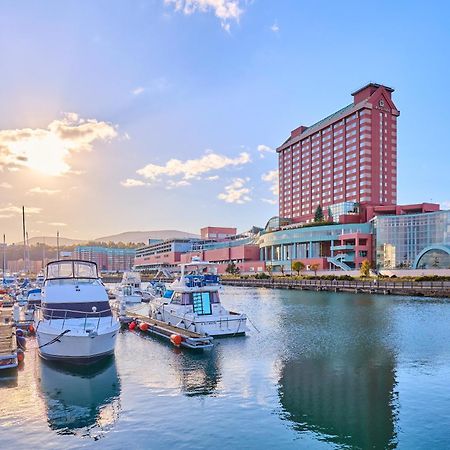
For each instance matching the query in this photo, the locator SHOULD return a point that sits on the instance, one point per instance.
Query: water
(327, 370)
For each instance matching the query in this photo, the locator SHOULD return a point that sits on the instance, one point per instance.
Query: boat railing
(202, 280)
(49, 314)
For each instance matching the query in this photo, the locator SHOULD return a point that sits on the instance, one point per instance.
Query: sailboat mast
(57, 244)
(4, 255)
(24, 240)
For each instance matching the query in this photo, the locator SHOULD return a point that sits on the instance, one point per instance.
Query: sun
(45, 154)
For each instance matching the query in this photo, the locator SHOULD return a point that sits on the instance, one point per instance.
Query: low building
(108, 259)
(413, 241)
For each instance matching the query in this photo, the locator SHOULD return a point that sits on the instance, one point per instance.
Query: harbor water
(325, 370)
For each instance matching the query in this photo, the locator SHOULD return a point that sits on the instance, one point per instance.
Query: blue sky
(93, 92)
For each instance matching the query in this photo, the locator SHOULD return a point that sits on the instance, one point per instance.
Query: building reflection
(81, 400)
(346, 396)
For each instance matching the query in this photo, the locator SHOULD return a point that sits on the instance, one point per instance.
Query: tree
(298, 266)
(364, 270)
(232, 269)
(318, 215)
(315, 268)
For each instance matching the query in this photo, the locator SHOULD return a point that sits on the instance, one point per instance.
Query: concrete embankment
(411, 288)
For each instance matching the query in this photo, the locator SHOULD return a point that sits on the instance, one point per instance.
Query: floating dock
(8, 344)
(179, 337)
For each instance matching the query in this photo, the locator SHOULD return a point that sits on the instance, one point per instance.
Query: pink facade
(246, 257)
(217, 233)
(350, 156)
(164, 259)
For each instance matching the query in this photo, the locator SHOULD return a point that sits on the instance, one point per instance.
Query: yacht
(74, 322)
(40, 277)
(192, 302)
(34, 298)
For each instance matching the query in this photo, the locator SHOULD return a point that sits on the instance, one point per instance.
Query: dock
(179, 337)
(8, 345)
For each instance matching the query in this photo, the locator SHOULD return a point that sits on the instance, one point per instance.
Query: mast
(57, 245)
(24, 240)
(4, 255)
(28, 253)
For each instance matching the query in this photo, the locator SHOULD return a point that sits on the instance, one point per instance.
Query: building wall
(349, 156)
(107, 259)
(217, 233)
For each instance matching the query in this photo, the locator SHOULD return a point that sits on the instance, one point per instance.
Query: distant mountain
(144, 236)
(51, 240)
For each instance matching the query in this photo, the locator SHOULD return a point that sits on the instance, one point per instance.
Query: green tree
(315, 268)
(318, 215)
(298, 266)
(364, 270)
(232, 268)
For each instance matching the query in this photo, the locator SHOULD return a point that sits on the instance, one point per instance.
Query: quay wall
(387, 287)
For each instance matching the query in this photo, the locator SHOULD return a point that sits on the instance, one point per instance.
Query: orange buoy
(143, 326)
(132, 326)
(176, 339)
(20, 357)
(31, 329)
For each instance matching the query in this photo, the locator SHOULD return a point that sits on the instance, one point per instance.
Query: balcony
(342, 247)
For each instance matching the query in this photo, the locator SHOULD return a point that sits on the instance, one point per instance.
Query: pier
(385, 287)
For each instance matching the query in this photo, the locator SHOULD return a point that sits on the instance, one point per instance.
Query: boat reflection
(347, 398)
(199, 373)
(81, 400)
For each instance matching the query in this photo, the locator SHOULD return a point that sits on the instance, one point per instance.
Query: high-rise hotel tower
(349, 158)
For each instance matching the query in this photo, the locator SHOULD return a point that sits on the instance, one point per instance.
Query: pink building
(217, 233)
(348, 157)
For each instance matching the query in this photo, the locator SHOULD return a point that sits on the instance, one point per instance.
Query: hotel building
(348, 158)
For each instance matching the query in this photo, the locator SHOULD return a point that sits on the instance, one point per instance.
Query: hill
(51, 240)
(144, 236)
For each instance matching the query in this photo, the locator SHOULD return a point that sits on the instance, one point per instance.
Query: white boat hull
(216, 326)
(76, 347)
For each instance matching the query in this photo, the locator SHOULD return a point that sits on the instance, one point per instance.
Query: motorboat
(34, 298)
(74, 322)
(132, 280)
(40, 277)
(193, 302)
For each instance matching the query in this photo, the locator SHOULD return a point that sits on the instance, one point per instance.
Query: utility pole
(57, 245)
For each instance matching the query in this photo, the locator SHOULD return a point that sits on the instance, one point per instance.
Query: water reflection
(81, 400)
(199, 373)
(344, 392)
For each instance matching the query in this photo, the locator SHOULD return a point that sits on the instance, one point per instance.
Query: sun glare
(44, 154)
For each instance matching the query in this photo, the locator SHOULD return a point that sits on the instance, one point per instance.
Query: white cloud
(14, 210)
(275, 28)
(5, 185)
(58, 224)
(131, 182)
(192, 168)
(272, 178)
(236, 192)
(138, 91)
(225, 10)
(263, 149)
(39, 190)
(176, 184)
(48, 150)
(270, 201)
(213, 178)
(445, 204)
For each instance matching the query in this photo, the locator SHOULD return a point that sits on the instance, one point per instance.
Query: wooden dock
(8, 345)
(186, 338)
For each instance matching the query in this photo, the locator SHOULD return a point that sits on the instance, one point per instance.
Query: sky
(164, 114)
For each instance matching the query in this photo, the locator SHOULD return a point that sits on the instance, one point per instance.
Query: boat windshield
(71, 269)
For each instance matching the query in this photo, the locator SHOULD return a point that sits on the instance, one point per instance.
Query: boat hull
(76, 348)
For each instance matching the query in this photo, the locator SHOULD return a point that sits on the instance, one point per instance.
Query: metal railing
(61, 314)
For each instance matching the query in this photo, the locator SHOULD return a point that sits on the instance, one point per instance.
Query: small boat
(34, 299)
(74, 322)
(9, 353)
(40, 277)
(192, 302)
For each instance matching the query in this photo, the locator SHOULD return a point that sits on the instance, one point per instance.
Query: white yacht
(34, 298)
(74, 322)
(40, 277)
(192, 302)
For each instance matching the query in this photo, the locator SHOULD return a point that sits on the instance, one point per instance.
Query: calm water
(326, 371)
